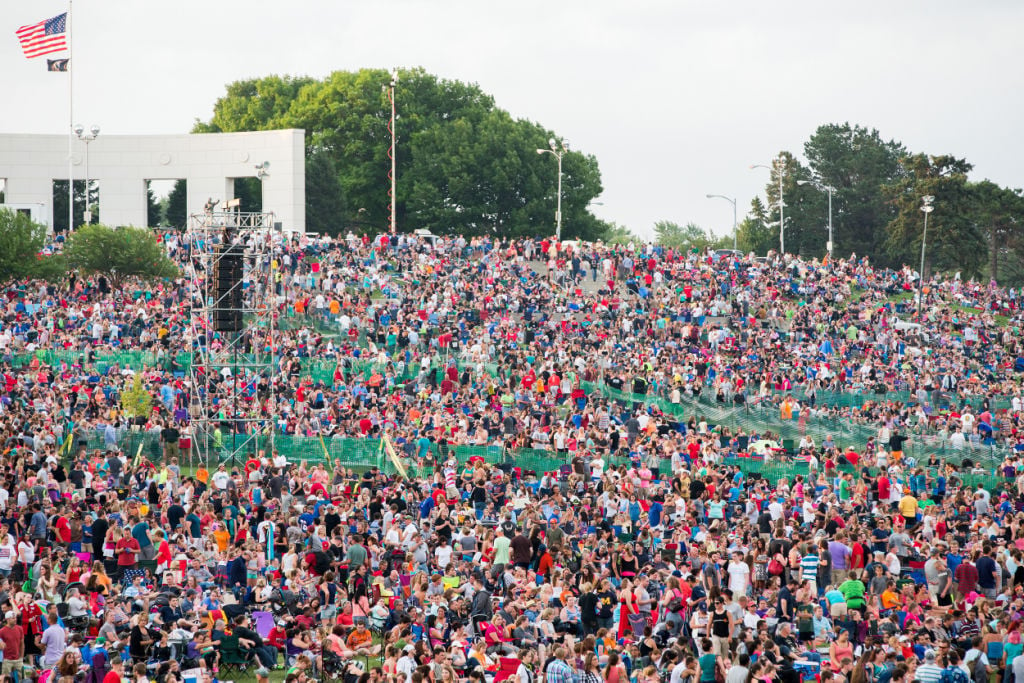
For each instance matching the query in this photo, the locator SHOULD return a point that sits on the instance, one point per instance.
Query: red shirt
(124, 549)
(112, 677)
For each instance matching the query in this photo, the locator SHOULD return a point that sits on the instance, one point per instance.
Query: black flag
(58, 64)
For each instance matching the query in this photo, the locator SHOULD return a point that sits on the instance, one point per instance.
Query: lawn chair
(637, 624)
(232, 656)
(507, 667)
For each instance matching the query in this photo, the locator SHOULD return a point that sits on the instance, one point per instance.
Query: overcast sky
(675, 98)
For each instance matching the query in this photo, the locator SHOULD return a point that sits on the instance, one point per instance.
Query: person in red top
(63, 530)
(116, 673)
(127, 550)
(12, 637)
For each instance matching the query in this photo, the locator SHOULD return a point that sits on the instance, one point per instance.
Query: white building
(122, 164)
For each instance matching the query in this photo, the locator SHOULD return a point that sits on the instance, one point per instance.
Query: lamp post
(830, 190)
(782, 203)
(394, 162)
(86, 138)
(732, 201)
(926, 208)
(558, 151)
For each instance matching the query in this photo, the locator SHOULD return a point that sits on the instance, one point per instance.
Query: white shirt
(739, 573)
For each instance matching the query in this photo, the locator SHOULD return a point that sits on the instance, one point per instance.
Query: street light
(558, 151)
(830, 190)
(733, 202)
(927, 208)
(782, 204)
(81, 135)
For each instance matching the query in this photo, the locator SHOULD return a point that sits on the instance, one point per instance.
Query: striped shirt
(809, 567)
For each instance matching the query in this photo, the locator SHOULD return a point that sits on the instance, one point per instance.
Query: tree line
(876, 207)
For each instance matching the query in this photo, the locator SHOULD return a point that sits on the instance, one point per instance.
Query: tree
(955, 241)
(22, 242)
(154, 212)
(60, 204)
(857, 163)
(754, 234)
(802, 210)
(690, 236)
(249, 193)
(999, 213)
(177, 205)
(119, 253)
(464, 166)
(325, 200)
(136, 401)
(619, 234)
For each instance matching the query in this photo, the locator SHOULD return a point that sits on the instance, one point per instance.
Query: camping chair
(232, 656)
(637, 623)
(264, 623)
(507, 667)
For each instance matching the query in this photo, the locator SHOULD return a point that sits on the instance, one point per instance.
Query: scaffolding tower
(232, 334)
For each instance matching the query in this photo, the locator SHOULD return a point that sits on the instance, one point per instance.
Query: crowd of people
(678, 566)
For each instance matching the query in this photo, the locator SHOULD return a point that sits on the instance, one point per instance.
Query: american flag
(46, 37)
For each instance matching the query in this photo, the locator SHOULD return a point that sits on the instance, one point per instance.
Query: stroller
(284, 602)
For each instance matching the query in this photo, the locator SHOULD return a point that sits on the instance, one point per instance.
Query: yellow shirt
(908, 506)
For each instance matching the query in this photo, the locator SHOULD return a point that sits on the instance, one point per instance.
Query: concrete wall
(123, 163)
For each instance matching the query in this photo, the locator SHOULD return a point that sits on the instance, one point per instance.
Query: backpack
(979, 671)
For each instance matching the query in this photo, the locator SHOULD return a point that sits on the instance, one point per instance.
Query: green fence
(362, 453)
(758, 418)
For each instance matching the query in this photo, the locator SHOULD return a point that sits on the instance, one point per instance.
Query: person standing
(12, 638)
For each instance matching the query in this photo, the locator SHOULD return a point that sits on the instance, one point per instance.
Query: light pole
(830, 190)
(782, 211)
(733, 202)
(81, 135)
(394, 163)
(927, 208)
(558, 151)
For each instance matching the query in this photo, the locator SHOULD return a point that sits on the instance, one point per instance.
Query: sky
(676, 99)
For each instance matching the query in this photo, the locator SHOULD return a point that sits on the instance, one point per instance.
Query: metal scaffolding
(231, 392)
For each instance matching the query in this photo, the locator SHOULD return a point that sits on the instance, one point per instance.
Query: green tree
(619, 234)
(177, 205)
(22, 241)
(325, 200)
(119, 253)
(754, 234)
(675, 236)
(154, 212)
(60, 205)
(136, 400)
(857, 163)
(249, 192)
(464, 165)
(802, 207)
(999, 213)
(955, 240)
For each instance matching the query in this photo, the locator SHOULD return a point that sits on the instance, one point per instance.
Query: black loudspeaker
(228, 273)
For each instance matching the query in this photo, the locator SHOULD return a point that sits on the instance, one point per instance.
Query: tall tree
(177, 205)
(325, 200)
(999, 213)
(754, 233)
(798, 233)
(857, 163)
(249, 193)
(955, 242)
(154, 212)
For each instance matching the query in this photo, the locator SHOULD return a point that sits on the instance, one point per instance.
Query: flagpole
(71, 138)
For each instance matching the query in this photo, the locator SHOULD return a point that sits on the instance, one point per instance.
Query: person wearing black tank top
(721, 629)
